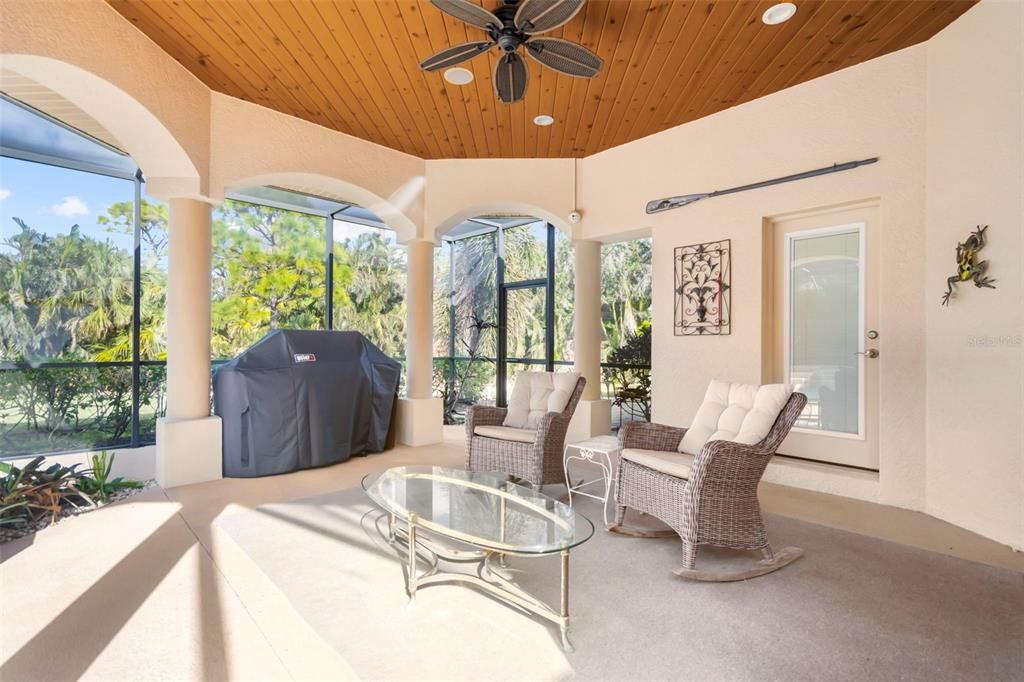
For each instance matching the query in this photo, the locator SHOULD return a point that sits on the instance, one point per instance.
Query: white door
(826, 336)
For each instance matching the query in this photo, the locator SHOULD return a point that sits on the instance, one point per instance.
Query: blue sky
(51, 199)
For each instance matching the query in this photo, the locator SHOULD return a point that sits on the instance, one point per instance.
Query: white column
(419, 413)
(593, 415)
(188, 448)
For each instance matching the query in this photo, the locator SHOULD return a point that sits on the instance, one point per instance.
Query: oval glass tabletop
(485, 510)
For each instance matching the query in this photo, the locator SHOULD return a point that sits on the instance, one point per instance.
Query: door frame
(503, 287)
(861, 228)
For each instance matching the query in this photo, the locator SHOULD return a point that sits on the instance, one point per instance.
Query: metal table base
(486, 576)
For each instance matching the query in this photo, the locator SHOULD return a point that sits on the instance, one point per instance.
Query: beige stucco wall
(253, 145)
(975, 175)
(875, 109)
(91, 55)
(460, 189)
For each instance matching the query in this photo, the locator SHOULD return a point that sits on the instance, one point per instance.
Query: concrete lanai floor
(152, 588)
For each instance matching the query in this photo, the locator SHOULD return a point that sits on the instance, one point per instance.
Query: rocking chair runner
(715, 501)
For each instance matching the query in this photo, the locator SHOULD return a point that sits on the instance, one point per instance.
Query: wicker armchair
(538, 461)
(714, 502)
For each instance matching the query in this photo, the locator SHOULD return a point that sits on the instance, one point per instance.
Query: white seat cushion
(537, 393)
(506, 433)
(671, 463)
(741, 413)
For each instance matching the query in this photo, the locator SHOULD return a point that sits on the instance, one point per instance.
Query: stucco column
(593, 416)
(419, 302)
(188, 438)
(419, 413)
(188, 309)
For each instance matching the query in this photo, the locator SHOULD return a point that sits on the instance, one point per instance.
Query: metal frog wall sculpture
(703, 289)
(968, 267)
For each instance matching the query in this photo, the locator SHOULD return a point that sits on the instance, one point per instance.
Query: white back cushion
(741, 413)
(537, 393)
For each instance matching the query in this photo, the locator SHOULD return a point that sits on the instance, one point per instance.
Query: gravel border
(8, 533)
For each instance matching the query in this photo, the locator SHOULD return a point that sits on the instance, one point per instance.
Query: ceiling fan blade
(538, 16)
(511, 78)
(463, 10)
(565, 57)
(455, 55)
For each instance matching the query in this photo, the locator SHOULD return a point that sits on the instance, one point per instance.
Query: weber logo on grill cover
(305, 357)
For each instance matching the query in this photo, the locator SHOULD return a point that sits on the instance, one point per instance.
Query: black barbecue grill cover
(298, 399)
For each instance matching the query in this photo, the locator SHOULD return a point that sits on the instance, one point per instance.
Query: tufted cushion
(537, 393)
(741, 413)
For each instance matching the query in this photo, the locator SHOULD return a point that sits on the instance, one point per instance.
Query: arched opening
(83, 267)
(388, 210)
(468, 296)
(133, 128)
(502, 305)
(284, 258)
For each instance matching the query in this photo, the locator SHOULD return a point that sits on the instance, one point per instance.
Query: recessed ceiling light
(458, 76)
(543, 120)
(776, 14)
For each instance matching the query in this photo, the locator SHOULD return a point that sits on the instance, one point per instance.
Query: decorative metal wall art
(703, 289)
(968, 267)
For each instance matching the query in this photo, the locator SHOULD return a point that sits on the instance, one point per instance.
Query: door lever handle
(870, 352)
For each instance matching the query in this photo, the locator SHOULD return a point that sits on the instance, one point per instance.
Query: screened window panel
(369, 285)
(65, 267)
(153, 279)
(626, 302)
(442, 298)
(565, 298)
(57, 409)
(824, 328)
(475, 297)
(526, 252)
(268, 273)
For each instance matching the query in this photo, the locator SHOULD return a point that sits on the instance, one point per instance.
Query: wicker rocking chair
(710, 499)
(534, 455)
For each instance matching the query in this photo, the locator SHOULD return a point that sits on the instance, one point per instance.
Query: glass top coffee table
(477, 518)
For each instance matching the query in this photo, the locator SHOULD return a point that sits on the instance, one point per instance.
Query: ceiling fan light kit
(776, 14)
(512, 25)
(458, 76)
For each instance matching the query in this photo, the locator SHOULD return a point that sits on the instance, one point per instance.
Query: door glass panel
(825, 310)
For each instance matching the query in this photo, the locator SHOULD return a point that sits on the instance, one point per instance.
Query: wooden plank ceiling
(353, 65)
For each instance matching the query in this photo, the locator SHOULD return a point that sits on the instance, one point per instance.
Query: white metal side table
(601, 451)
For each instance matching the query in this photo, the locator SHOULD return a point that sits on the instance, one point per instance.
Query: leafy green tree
(369, 290)
(625, 290)
(61, 296)
(268, 273)
(120, 218)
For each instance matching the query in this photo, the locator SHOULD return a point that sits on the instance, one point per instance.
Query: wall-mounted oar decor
(667, 204)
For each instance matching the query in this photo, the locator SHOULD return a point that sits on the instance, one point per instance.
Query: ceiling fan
(513, 25)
